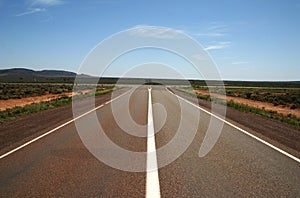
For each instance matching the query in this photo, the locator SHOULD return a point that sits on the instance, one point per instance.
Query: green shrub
(293, 106)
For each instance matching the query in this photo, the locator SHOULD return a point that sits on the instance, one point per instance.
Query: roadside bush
(293, 106)
(248, 95)
(230, 93)
(203, 97)
(254, 97)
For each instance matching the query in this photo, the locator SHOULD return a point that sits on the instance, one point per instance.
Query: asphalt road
(59, 164)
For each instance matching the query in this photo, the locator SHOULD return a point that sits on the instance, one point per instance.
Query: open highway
(60, 165)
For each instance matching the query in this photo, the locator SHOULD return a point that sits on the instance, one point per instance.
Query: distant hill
(28, 72)
(28, 75)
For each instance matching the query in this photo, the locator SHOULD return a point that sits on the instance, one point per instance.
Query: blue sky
(248, 40)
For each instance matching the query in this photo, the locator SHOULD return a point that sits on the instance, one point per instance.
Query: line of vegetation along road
(16, 112)
(289, 119)
(288, 97)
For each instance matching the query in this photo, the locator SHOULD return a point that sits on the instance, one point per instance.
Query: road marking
(55, 129)
(152, 182)
(242, 130)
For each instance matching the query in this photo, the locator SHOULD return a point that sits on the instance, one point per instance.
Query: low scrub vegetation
(23, 90)
(290, 119)
(284, 97)
(14, 113)
(277, 96)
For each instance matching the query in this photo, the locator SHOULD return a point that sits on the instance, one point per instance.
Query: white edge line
(53, 130)
(242, 130)
(152, 179)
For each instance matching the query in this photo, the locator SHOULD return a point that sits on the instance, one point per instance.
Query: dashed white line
(55, 129)
(242, 130)
(152, 180)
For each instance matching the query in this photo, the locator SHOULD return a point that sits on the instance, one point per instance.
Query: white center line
(152, 182)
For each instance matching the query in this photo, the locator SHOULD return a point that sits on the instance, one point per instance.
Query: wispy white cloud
(211, 34)
(240, 62)
(214, 30)
(45, 2)
(219, 45)
(31, 11)
(35, 6)
(156, 32)
(218, 27)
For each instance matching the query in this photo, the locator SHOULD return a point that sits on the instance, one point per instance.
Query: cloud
(215, 30)
(219, 45)
(218, 27)
(35, 6)
(240, 62)
(156, 32)
(211, 34)
(31, 11)
(45, 2)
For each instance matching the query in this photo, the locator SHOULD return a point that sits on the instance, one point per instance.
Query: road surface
(59, 164)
